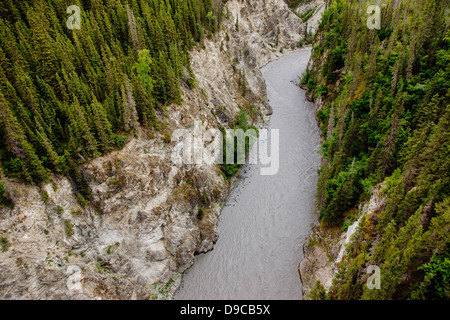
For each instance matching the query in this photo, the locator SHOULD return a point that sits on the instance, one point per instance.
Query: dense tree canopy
(386, 118)
(69, 95)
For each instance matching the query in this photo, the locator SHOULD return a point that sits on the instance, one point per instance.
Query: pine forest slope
(67, 95)
(91, 205)
(383, 105)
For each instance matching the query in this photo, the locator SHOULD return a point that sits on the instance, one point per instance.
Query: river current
(267, 219)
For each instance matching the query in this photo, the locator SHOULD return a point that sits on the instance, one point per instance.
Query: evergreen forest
(68, 95)
(385, 118)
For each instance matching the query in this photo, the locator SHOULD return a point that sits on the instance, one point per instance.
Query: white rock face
(319, 7)
(327, 248)
(141, 231)
(75, 276)
(376, 201)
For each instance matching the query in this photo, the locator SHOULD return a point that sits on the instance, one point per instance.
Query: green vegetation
(204, 197)
(68, 228)
(75, 212)
(4, 244)
(385, 119)
(163, 289)
(240, 147)
(295, 3)
(45, 196)
(102, 266)
(67, 96)
(82, 201)
(200, 213)
(317, 292)
(4, 199)
(307, 14)
(437, 275)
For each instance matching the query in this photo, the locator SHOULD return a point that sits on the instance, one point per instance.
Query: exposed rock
(142, 231)
(326, 248)
(314, 20)
(320, 253)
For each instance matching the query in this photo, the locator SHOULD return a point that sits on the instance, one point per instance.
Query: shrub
(167, 137)
(346, 225)
(305, 77)
(200, 213)
(45, 196)
(119, 141)
(437, 274)
(322, 91)
(82, 201)
(317, 292)
(311, 84)
(323, 115)
(68, 228)
(5, 244)
(75, 212)
(4, 200)
(241, 122)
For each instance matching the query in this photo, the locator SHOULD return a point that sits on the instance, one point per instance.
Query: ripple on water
(266, 220)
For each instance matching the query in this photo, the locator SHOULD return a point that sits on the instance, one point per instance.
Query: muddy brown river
(266, 219)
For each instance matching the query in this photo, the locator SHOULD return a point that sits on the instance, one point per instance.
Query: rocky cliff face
(317, 8)
(326, 248)
(141, 230)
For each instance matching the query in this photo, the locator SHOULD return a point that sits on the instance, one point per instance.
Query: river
(266, 219)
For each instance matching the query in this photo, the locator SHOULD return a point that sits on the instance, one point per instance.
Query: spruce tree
(130, 116)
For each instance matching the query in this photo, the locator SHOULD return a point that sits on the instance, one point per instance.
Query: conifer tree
(394, 83)
(102, 126)
(82, 132)
(130, 117)
(132, 28)
(31, 165)
(43, 46)
(65, 93)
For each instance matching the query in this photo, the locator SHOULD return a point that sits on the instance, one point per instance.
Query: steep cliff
(379, 77)
(141, 230)
(326, 248)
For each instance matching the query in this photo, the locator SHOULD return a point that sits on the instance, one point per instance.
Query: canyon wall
(141, 230)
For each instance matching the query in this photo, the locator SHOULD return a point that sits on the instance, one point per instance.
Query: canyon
(142, 231)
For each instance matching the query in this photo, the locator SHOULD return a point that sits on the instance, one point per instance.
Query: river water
(266, 219)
